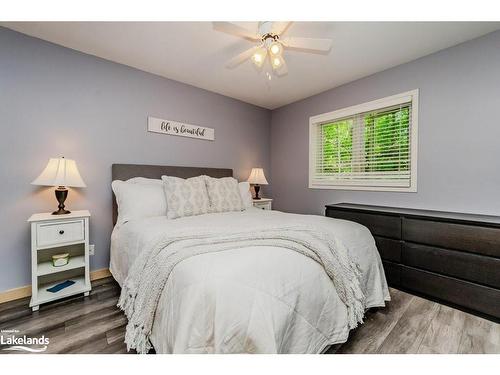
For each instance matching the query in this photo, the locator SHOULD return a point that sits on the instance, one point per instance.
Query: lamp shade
(257, 177)
(60, 172)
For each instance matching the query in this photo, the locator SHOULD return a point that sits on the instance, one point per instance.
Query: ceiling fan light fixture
(276, 62)
(275, 48)
(272, 44)
(259, 57)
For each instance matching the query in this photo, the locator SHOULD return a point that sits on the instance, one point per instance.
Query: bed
(248, 299)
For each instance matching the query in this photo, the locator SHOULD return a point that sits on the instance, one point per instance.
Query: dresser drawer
(463, 293)
(471, 238)
(379, 225)
(50, 234)
(389, 249)
(467, 266)
(392, 273)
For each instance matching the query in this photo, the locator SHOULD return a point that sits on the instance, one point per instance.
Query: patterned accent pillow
(186, 197)
(224, 194)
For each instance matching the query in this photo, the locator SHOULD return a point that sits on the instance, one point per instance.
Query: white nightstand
(56, 234)
(263, 203)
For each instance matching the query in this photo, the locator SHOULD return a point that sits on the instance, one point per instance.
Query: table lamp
(62, 173)
(257, 178)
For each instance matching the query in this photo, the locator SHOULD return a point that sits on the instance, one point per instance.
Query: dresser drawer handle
(61, 232)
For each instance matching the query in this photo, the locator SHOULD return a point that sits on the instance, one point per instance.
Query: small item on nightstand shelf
(59, 260)
(257, 178)
(56, 288)
(62, 173)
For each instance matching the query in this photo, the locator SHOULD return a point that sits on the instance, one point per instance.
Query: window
(372, 146)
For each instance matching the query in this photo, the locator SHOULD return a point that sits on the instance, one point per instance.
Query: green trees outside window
(371, 142)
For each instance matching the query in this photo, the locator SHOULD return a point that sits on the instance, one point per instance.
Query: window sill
(411, 189)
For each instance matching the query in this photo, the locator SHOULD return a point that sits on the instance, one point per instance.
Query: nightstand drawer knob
(61, 232)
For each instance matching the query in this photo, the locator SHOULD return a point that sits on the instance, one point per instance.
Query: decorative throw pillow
(246, 195)
(224, 194)
(186, 197)
(137, 200)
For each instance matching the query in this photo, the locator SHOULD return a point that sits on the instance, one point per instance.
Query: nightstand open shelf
(78, 287)
(46, 268)
(59, 234)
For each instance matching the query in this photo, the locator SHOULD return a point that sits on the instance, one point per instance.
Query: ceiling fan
(271, 43)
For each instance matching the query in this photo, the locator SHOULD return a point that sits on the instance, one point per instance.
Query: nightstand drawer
(59, 233)
(262, 205)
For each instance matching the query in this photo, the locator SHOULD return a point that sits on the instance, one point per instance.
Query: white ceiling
(194, 53)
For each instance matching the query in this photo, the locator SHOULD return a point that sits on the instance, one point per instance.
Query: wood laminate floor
(409, 324)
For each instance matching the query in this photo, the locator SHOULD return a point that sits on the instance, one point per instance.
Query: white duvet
(257, 299)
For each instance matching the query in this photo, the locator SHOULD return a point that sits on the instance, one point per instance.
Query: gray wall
(58, 102)
(459, 133)
(55, 101)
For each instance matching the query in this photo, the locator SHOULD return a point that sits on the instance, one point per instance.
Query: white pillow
(246, 195)
(138, 200)
(144, 180)
(151, 181)
(186, 197)
(224, 194)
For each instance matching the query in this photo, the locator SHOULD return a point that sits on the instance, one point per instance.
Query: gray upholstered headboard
(125, 171)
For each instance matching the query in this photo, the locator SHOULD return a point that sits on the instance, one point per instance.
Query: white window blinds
(366, 147)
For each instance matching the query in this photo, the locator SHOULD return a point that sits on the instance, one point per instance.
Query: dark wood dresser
(450, 257)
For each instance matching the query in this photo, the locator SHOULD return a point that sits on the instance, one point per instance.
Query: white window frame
(405, 97)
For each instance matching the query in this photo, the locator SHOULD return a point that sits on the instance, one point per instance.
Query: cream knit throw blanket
(148, 275)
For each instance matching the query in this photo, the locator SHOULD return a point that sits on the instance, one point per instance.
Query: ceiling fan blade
(279, 28)
(310, 44)
(238, 59)
(231, 28)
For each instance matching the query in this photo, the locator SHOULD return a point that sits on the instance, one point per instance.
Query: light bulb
(276, 62)
(259, 57)
(275, 48)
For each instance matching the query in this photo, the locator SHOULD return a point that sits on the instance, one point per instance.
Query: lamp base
(61, 195)
(257, 189)
(61, 212)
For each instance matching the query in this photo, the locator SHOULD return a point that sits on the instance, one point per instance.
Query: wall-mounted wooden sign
(169, 127)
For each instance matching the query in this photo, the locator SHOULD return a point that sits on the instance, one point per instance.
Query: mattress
(256, 299)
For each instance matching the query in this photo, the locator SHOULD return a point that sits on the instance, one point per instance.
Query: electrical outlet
(91, 249)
